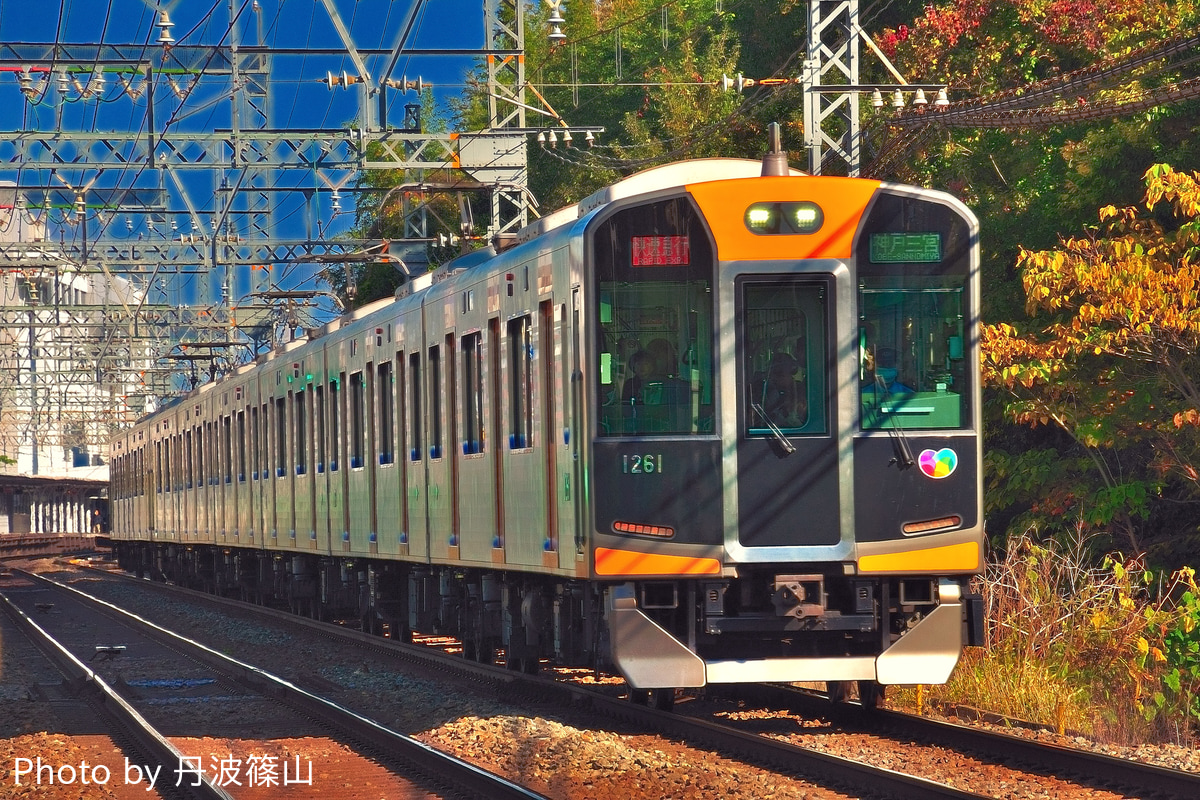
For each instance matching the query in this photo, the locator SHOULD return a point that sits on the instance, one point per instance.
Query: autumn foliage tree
(1112, 359)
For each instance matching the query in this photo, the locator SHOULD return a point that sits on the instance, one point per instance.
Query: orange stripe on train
(962, 557)
(625, 562)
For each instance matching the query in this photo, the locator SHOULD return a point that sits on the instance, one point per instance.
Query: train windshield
(654, 274)
(914, 316)
(784, 327)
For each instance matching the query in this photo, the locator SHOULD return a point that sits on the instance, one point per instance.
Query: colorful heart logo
(938, 463)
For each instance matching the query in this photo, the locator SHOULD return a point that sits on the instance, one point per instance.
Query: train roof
(667, 176)
(655, 179)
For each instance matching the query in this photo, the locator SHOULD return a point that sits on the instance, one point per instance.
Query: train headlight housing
(788, 219)
(759, 218)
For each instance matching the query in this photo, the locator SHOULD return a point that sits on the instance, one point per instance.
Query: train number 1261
(641, 465)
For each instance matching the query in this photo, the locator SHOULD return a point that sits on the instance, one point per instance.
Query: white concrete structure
(65, 374)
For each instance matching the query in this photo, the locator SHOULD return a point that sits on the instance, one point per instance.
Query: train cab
(786, 462)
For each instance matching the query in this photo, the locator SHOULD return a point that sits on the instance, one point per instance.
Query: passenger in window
(882, 366)
(645, 372)
(665, 363)
(783, 397)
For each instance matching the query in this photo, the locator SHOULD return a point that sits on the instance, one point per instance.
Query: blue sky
(292, 24)
(299, 99)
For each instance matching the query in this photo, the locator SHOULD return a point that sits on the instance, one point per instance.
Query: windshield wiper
(904, 455)
(788, 447)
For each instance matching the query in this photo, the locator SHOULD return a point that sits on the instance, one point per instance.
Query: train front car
(786, 467)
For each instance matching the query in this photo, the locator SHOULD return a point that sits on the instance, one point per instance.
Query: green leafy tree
(1112, 356)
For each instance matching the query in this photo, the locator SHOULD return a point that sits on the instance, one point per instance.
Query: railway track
(1098, 769)
(419, 769)
(1089, 771)
(139, 741)
(844, 777)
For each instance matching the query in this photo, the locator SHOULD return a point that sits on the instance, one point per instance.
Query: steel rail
(109, 702)
(828, 770)
(432, 762)
(1069, 762)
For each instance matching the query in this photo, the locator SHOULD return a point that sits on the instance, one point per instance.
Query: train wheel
(663, 699)
(837, 691)
(870, 694)
(639, 697)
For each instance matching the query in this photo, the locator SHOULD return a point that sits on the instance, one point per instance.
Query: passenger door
(787, 454)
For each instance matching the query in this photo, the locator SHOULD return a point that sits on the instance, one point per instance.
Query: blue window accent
(497, 543)
(566, 436)
(292, 534)
(333, 465)
(454, 540)
(345, 536)
(517, 441)
(280, 472)
(312, 535)
(254, 475)
(274, 534)
(299, 469)
(414, 455)
(373, 538)
(435, 451)
(356, 462)
(403, 537)
(320, 469)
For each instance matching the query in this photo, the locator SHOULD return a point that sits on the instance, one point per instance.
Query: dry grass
(1063, 645)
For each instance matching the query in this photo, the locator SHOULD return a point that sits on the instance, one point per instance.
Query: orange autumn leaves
(1112, 350)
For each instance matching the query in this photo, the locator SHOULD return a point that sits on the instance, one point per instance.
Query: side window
(472, 376)
(385, 403)
(300, 410)
(335, 427)
(227, 448)
(264, 442)
(201, 454)
(414, 405)
(166, 449)
(189, 466)
(401, 409)
(241, 446)
(357, 428)
(281, 437)
(435, 402)
(520, 389)
(254, 443)
(319, 427)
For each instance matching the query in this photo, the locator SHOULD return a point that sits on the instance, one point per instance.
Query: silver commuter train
(717, 423)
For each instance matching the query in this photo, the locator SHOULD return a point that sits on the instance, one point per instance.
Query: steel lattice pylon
(831, 118)
(134, 242)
